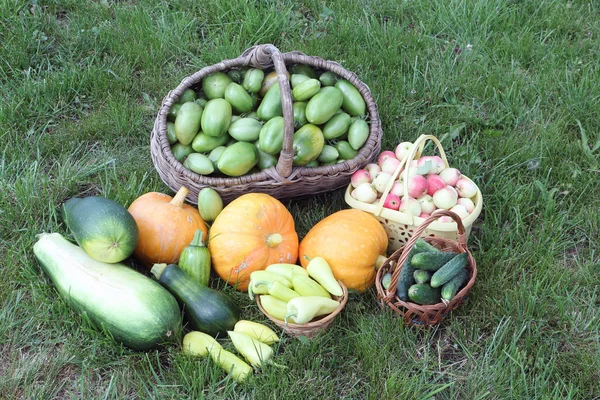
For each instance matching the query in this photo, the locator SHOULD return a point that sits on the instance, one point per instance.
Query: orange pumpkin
(166, 225)
(252, 232)
(352, 241)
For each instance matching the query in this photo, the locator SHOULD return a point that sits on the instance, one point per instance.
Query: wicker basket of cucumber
(285, 124)
(428, 277)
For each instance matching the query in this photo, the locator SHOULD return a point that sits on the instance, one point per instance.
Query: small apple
(359, 176)
(466, 203)
(381, 181)
(450, 176)
(365, 193)
(398, 188)
(410, 205)
(439, 163)
(427, 205)
(417, 186)
(434, 183)
(402, 150)
(445, 198)
(460, 210)
(392, 202)
(390, 165)
(383, 155)
(465, 188)
(373, 169)
(424, 215)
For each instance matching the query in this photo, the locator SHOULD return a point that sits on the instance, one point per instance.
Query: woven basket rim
(312, 326)
(174, 174)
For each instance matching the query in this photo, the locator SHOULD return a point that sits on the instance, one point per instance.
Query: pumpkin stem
(180, 197)
(380, 260)
(274, 240)
(197, 240)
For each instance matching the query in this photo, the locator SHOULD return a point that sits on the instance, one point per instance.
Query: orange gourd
(166, 225)
(252, 232)
(352, 241)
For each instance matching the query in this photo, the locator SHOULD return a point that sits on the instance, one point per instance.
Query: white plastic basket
(399, 225)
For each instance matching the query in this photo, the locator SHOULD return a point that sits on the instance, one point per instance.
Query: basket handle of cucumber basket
(263, 56)
(405, 250)
(415, 152)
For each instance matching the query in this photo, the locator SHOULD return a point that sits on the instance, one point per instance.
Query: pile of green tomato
(232, 124)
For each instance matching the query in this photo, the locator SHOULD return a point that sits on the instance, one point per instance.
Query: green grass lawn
(512, 88)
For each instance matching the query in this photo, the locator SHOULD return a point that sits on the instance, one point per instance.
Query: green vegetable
(253, 79)
(194, 259)
(305, 90)
(308, 144)
(270, 139)
(431, 260)
(422, 293)
(328, 154)
(422, 246)
(270, 106)
(203, 143)
(303, 309)
(245, 129)
(199, 163)
(328, 78)
(320, 271)
(303, 69)
(265, 160)
(187, 95)
(450, 288)
(386, 280)
(405, 279)
(337, 126)
(297, 79)
(449, 270)
(206, 310)
(172, 114)
(323, 105)
(422, 276)
(358, 133)
(210, 204)
(216, 117)
(171, 137)
(299, 108)
(239, 99)
(214, 85)
(181, 151)
(346, 151)
(187, 123)
(103, 228)
(353, 102)
(237, 159)
(131, 308)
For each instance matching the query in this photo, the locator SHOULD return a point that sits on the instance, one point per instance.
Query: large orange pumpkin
(352, 241)
(251, 233)
(166, 225)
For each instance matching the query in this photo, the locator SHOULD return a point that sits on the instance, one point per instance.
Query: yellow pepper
(320, 271)
(286, 270)
(305, 308)
(199, 343)
(273, 306)
(259, 278)
(232, 364)
(256, 330)
(306, 286)
(278, 289)
(254, 351)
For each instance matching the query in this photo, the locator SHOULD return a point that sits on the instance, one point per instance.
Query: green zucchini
(450, 288)
(131, 308)
(422, 293)
(449, 270)
(205, 309)
(422, 276)
(195, 260)
(103, 228)
(431, 260)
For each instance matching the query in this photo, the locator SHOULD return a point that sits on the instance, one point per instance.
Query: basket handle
(462, 244)
(415, 151)
(263, 56)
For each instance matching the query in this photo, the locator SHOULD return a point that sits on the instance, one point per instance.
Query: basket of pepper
(428, 277)
(285, 124)
(302, 302)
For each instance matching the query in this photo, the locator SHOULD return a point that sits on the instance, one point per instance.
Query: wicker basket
(282, 181)
(425, 315)
(314, 327)
(401, 226)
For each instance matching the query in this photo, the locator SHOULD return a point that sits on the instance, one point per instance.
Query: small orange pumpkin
(352, 241)
(252, 232)
(166, 225)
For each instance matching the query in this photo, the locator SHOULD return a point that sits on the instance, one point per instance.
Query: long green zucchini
(132, 308)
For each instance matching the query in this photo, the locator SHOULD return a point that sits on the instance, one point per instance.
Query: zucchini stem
(158, 269)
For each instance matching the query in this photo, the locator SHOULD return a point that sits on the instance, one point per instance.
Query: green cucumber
(405, 279)
(432, 260)
(449, 270)
(422, 293)
(205, 309)
(386, 280)
(131, 308)
(450, 288)
(422, 246)
(194, 259)
(422, 276)
(103, 228)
